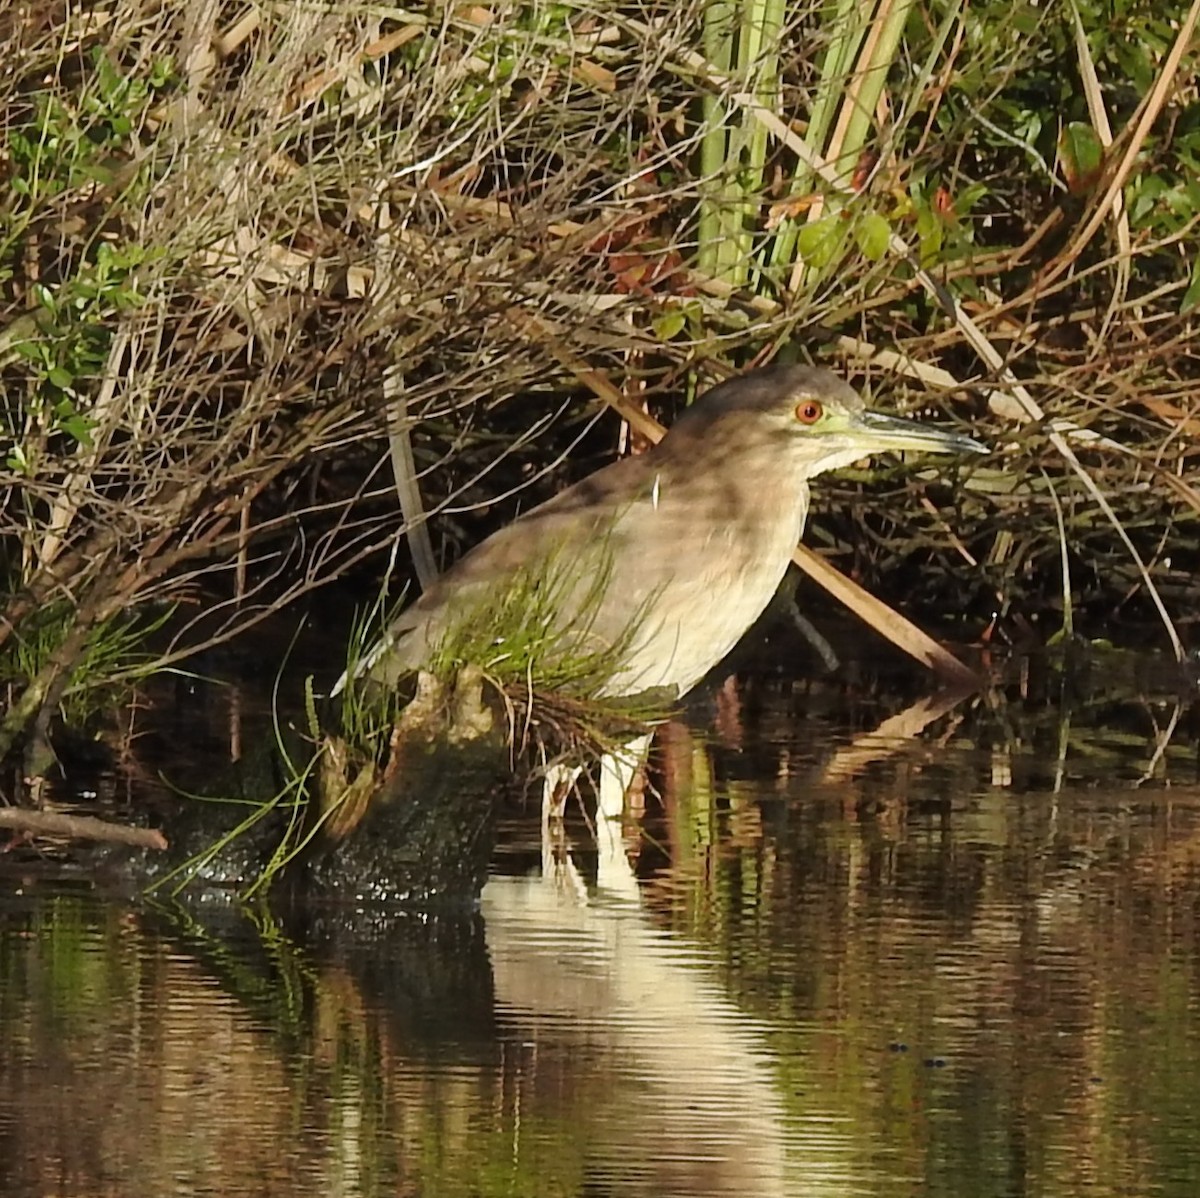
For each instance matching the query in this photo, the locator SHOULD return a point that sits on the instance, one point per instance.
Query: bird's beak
(879, 432)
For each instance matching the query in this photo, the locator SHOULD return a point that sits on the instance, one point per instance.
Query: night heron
(689, 540)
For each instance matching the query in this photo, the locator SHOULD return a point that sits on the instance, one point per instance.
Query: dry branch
(80, 827)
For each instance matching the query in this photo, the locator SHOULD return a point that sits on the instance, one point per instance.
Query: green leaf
(820, 240)
(1191, 297)
(31, 351)
(930, 235)
(162, 72)
(96, 172)
(668, 323)
(45, 298)
(1148, 189)
(78, 427)
(872, 232)
(61, 377)
(1082, 156)
(966, 199)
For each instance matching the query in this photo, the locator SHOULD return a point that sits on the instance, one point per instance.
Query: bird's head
(803, 416)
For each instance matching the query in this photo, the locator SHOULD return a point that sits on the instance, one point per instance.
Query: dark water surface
(853, 947)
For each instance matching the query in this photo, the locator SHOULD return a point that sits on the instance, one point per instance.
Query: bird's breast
(708, 567)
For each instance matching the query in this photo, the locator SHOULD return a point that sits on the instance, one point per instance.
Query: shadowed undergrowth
(253, 264)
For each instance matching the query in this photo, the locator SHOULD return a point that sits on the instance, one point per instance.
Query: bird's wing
(575, 532)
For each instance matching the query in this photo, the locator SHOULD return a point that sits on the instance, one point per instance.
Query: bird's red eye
(808, 411)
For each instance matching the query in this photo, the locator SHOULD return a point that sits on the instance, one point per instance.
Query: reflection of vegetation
(79, 975)
(548, 1155)
(969, 981)
(980, 953)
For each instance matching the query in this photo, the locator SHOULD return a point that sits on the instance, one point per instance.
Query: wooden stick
(80, 827)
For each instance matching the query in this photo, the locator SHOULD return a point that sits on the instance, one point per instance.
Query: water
(954, 955)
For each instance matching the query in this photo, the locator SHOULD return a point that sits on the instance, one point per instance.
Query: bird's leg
(617, 772)
(557, 866)
(560, 779)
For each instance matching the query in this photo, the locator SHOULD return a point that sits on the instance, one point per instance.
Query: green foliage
(284, 815)
(73, 149)
(1191, 297)
(75, 336)
(514, 161)
(987, 102)
(114, 655)
(533, 640)
(1082, 155)
(821, 242)
(290, 804)
(519, 636)
(71, 140)
(368, 713)
(1017, 105)
(871, 233)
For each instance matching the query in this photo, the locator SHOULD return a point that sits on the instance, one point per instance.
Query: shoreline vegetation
(280, 284)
